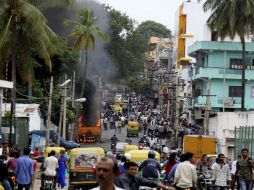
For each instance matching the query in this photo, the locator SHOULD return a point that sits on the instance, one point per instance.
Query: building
(30, 111)
(210, 70)
(159, 61)
(219, 70)
(190, 35)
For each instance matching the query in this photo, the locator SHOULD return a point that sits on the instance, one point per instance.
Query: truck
(199, 145)
(88, 128)
(88, 132)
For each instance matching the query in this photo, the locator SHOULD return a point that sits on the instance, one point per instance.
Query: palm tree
(84, 33)
(231, 18)
(27, 63)
(24, 33)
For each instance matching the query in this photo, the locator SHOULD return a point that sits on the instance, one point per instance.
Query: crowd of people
(18, 168)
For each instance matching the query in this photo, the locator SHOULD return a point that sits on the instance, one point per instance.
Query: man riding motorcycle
(150, 168)
(50, 165)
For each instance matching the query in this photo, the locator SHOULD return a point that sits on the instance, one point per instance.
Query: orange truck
(88, 132)
(199, 145)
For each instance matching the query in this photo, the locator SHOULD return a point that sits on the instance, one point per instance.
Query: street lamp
(80, 100)
(64, 84)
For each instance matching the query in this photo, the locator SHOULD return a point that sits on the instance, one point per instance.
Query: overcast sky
(162, 11)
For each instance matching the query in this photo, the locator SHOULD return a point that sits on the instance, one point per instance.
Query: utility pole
(207, 110)
(49, 111)
(177, 111)
(64, 108)
(73, 89)
(60, 122)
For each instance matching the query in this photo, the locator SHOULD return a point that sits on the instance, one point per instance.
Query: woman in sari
(62, 162)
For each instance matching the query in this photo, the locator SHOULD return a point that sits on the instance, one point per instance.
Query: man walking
(244, 170)
(221, 174)
(24, 170)
(106, 172)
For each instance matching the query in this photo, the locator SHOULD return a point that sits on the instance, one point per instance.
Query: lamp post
(64, 84)
(49, 111)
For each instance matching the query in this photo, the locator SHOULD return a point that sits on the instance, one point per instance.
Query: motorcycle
(205, 181)
(113, 145)
(49, 183)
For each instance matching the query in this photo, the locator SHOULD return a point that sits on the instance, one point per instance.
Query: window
(252, 65)
(235, 63)
(214, 36)
(235, 91)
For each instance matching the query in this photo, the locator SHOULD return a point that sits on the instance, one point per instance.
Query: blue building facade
(218, 74)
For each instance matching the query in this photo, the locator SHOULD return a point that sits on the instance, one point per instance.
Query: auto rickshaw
(49, 149)
(117, 108)
(82, 167)
(139, 156)
(132, 129)
(130, 147)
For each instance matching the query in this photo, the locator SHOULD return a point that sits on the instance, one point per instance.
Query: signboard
(86, 159)
(6, 84)
(252, 92)
(228, 102)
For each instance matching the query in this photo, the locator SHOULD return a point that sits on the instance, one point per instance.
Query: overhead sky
(162, 11)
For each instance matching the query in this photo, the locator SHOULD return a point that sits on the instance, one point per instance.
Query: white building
(32, 111)
(223, 128)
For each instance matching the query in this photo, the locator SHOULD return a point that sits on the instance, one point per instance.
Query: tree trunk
(84, 74)
(243, 73)
(13, 92)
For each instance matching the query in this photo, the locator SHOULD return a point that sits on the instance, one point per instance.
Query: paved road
(106, 136)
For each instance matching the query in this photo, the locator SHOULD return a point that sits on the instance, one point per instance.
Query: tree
(84, 33)
(231, 18)
(150, 28)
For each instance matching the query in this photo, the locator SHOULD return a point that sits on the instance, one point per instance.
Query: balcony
(217, 102)
(220, 73)
(219, 46)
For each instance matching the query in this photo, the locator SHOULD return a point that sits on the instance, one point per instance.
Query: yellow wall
(181, 41)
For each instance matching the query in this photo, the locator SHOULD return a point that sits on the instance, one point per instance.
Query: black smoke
(100, 66)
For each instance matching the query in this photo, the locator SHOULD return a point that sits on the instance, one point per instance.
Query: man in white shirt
(186, 174)
(106, 172)
(51, 164)
(221, 174)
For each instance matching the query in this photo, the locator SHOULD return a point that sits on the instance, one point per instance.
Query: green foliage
(139, 86)
(128, 44)
(229, 18)
(86, 30)
(150, 28)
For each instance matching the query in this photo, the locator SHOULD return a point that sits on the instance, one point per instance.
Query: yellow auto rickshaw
(130, 147)
(117, 108)
(49, 149)
(132, 129)
(82, 167)
(139, 156)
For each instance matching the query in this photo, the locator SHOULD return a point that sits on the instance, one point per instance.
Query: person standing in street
(4, 174)
(106, 172)
(62, 163)
(244, 169)
(233, 170)
(221, 174)
(24, 170)
(186, 174)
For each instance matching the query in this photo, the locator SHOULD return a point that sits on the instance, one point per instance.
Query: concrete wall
(223, 125)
